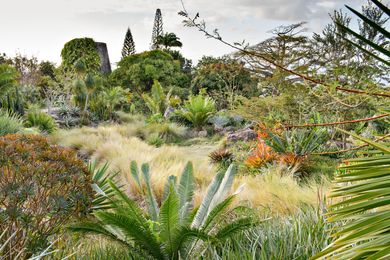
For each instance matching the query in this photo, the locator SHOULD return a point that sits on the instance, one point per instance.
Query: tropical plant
(158, 101)
(114, 97)
(197, 110)
(172, 231)
(41, 187)
(295, 145)
(43, 121)
(10, 123)
(363, 205)
(168, 40)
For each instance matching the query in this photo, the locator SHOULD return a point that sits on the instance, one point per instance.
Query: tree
(157, 29)
(128, 45)
(138, 72)
(224, 79)
(287, 48)
(168, 40)
(80, 48)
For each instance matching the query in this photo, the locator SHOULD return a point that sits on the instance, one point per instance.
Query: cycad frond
(151, 199)
(169, 219)
(364, 205)
(186, 187)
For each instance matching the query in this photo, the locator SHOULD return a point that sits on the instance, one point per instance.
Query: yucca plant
(175, 230)
(197, 110)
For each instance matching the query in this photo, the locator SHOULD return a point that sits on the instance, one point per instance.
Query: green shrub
(155, 140)
(300, 236)
(168, 132)
(197, 110)
(44, 122)
(80, 48)
(10, 123)
(41, 187)
(139, 71)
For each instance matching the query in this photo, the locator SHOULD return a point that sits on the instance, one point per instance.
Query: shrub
(10, 123)
(139, 71)
(197, 110)
(44, 122)
(41, 187)
(168, 132)
(80, 48)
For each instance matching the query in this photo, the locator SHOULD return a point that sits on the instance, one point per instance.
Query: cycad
(175, 230)
(364, 205)
(197, 110)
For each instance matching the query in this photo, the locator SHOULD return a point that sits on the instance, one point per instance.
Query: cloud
(41, 27)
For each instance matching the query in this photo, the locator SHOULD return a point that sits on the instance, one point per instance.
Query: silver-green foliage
(175, 230)
(10, 123)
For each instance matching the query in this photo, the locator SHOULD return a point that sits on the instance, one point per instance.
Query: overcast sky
(41, 27)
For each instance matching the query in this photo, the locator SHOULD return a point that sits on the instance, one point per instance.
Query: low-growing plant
(41, 187)
(10, 123)
(299, 236)
(43, 121)
(168, 132)
(174, 230)
(291, 147)
(197, 110)
(221, 156)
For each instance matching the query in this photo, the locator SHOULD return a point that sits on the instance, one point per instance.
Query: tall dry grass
(277, 193)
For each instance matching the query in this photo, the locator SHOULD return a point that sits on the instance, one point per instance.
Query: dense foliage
(41, 187)
(138, 72)
(80, 48)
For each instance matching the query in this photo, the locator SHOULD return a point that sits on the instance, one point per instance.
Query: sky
(41, 27)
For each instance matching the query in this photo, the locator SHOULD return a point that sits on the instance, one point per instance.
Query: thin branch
(202, 28)
(338, 123)
(352, 149)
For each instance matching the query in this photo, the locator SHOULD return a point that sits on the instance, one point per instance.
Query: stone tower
(105, 65)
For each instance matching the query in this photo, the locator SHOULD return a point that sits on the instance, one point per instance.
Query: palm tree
(168, 40)
(173, 231)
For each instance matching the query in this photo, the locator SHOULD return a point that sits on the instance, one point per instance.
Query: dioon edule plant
(174, 230)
